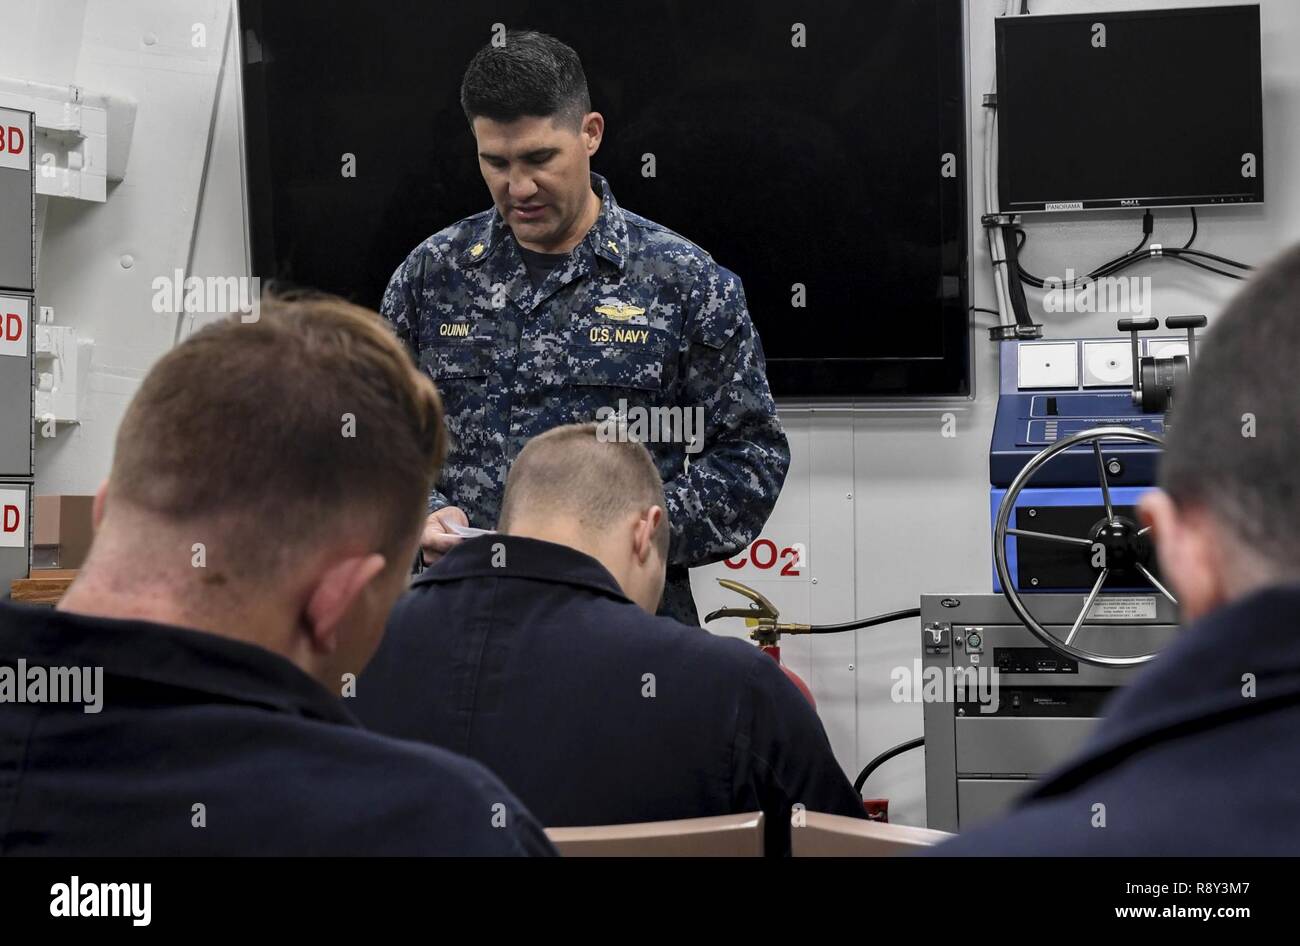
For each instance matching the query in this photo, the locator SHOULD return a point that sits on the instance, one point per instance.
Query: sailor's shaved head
(570, 472)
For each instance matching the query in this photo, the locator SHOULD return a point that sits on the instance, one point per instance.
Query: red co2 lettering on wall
(764, 555)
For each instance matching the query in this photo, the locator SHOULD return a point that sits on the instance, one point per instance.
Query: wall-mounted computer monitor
(819, 145)
(1142, 108)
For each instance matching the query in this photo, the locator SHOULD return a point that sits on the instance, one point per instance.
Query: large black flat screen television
(838, 164)
(1145, 108)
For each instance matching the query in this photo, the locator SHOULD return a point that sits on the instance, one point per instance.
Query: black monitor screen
(805, 145)
(1133, 109)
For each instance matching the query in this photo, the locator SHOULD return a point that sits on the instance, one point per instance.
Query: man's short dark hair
(533, 74)
(305, 426)
(1234, 445)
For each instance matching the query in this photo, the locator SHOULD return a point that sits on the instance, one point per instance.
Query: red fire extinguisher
(774, 651)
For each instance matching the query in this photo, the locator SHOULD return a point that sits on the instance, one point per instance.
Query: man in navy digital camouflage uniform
(558, 307)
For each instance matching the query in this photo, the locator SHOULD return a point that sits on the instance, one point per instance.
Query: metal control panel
(1053, 395)
(983, 753)
(1052, 389)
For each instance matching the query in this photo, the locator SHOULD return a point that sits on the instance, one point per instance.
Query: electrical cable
(1184, 251)
(1195, 226)
(1148, 227)
(1015, 282)
(994, 234)
(1105, 269)
(1191, 262)
(1110, 267)
(997, 249)
(884, 757)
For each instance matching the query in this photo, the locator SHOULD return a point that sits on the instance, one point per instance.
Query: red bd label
(15, 326)
(15, 148)
(13, 518)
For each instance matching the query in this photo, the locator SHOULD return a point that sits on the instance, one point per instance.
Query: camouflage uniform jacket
(638, 317)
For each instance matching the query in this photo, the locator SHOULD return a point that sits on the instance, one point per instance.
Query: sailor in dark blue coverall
(535, 651)
(184, 696)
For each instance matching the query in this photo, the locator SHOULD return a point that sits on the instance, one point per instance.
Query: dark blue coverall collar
(513, 556)
(172, 656)
(1201, 680)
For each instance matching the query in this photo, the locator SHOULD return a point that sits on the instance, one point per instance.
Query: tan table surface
(45, 586)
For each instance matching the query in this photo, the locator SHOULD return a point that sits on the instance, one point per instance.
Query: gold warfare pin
(619, 313)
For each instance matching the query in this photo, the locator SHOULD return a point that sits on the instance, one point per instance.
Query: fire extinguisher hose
(865, 622)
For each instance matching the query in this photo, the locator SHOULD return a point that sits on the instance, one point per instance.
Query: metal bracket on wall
(83, 139)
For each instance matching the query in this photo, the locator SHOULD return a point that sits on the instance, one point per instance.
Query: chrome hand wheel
(1116, 541)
